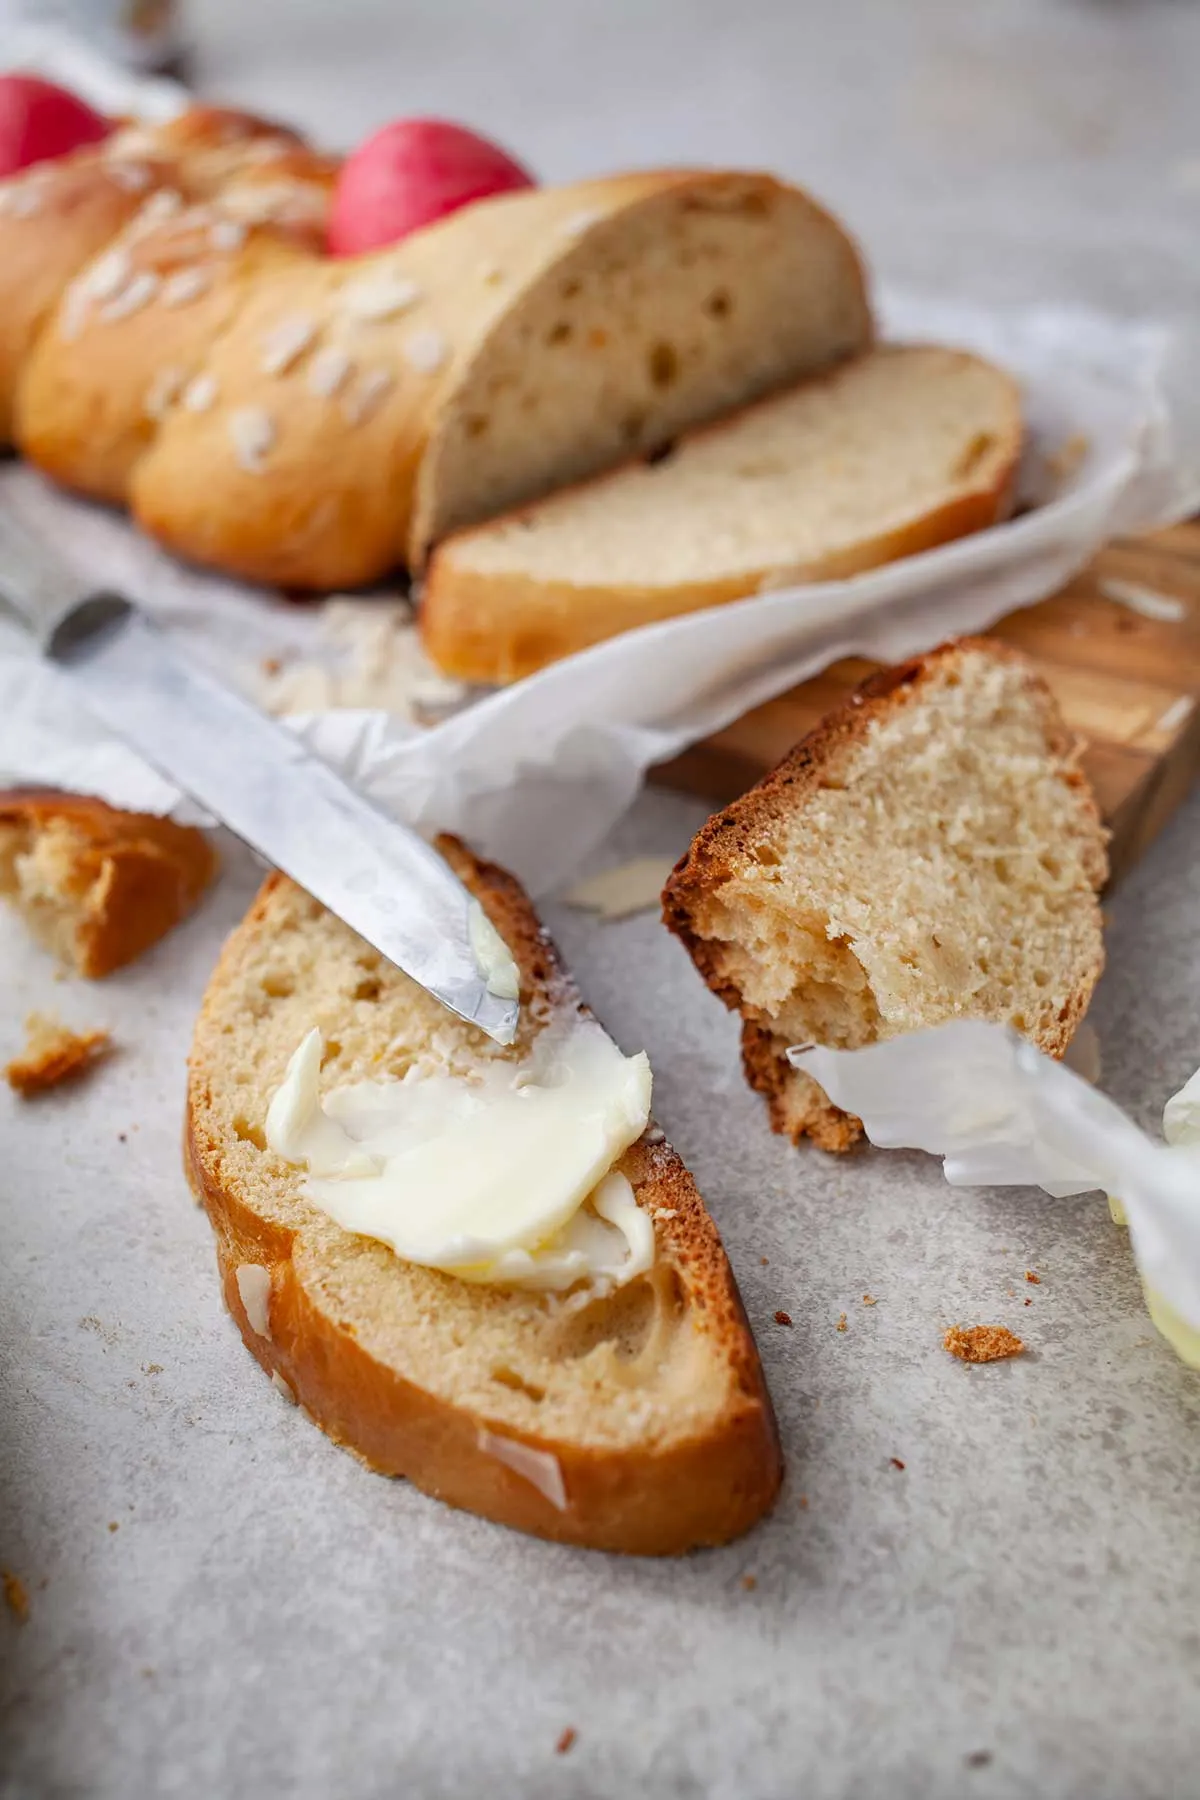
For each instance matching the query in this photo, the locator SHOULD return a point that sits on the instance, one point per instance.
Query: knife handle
(48, 599)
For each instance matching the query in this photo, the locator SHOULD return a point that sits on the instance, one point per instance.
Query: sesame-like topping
(286, 342)
(252, 432)
(327, 371)
(424, 351)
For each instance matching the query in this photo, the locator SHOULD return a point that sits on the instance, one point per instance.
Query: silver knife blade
(255, 776)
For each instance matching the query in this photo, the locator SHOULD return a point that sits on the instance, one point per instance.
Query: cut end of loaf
(930, 852)
(644, 1410)
(95, 885)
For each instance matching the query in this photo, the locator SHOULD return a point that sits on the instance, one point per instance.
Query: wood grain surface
(1128, 684)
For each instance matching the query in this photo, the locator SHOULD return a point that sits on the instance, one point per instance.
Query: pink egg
(410, 173)
(39, 120)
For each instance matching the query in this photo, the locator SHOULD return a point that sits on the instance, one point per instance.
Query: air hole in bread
(1052, 866)
(632, 426)
(477, 424)
(369, 988)
(980, 446)
(246, 1133)
(331, 1052)
(1041, 978)
(569, 289)
(624, 1320)
(661, 453)
(559, 333)
(663, 364)
(719, 304)
(766, 856)
(510, 1379)
(278, 984)
(1019, 1022)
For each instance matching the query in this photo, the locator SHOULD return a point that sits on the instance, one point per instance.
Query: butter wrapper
(1001, 1114)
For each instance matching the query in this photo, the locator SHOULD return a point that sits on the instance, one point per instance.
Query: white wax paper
(1002, 1114)
(536, 774)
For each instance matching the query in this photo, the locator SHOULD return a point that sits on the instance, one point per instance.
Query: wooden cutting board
(1128, 684)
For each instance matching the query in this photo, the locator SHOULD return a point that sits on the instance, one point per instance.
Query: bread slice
(515, 345)
(892, 452)
(930, 852)
(96, 885)
(639, 1423)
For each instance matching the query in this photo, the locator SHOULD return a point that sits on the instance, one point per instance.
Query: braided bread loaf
(173, 339)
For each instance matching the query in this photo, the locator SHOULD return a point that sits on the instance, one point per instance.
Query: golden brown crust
(131, 877)
(56, 217)
(693, 1491)
(499, 626)
(53, 1054)
(94, 389)
(796, 1104)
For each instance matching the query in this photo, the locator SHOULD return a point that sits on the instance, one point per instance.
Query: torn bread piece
(931, 851)
(628, 1416)
(53, 1053)
(96, 885)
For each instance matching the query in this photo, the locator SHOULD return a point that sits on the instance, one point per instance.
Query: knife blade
(254, 776)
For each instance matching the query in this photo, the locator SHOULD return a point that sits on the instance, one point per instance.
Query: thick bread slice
(640, 1423)
(96, 885)
(930, 852)
(893, 452)
(530, 340)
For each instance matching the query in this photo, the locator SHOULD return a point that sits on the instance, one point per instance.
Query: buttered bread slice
(598, 1386)
(894, 451)
(930, 852)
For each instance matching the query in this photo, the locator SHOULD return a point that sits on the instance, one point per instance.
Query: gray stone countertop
(221, 1603)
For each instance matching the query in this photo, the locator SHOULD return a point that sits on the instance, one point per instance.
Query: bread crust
(132, 876)
(498, 627)
(701, 1490)
(796, 1105)
(77, 204)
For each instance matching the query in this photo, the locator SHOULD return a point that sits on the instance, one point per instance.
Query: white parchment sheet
(536, 774)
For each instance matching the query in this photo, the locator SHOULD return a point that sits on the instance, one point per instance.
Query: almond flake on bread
(931, 851)
(637, 1422)
(889, 453)
(97, 885)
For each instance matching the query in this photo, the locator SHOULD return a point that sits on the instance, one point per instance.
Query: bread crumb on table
(53, 1053)
(782, 1318)
(896, 1463)
(841, 1324)
(749, 1582)
(566, 1741)
(869, 1300)
(16, 1594)
(1030, 1276)
(982, 1343)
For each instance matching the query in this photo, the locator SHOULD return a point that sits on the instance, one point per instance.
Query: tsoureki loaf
(172, 339)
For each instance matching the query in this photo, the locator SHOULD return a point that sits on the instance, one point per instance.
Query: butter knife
(255, 776)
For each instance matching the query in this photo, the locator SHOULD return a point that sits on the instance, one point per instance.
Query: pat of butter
(503, 1176)
(493, 956)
